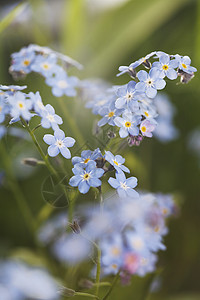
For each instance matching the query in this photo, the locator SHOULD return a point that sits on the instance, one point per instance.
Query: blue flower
(166, 66)
(127, 96)
(4, 108)
(130, 69)
(150, 83)
(86, 156)
(84, 179)
(59, 143)
(116, 161)
(13, 88)
(109, 113)
(22, 61)
(62, 84)
(38, 105)
(47, 66)
(49, 118)
(124, 187)
(20, 106)
(128, 124)
(184, 64)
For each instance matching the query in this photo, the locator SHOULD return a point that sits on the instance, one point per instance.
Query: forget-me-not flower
(45, 65)
(20, 106)
(127, 96)
(184, 64)
(49, 118)
(150, 83)
(59, 143)
(125, 187)
(147, 126)
(128, 123)
(62, 84)
(116, 161)
(87, 178)
(166, 66)
(109, 112)
(86, 156)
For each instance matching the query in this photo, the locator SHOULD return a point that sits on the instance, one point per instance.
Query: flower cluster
(92, 165)
(129, 232)
(19, 105)
(45, 61)
(131, 107)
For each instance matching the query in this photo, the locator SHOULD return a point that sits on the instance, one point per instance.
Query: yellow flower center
(111, 114)
(157, 228)
(21, 105)
(86, 160)
(115, 162)
(46, 66)
(115, 251)
(128, 124)
(184, 66)
(143, 129)
(146, 114)
(165, 67)
(165, 211)
(26, 62)
(86, 176)
(114, 266)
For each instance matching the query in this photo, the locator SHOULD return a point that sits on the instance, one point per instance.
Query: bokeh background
(102, 35)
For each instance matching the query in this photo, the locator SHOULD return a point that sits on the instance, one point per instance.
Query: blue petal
(113, 182)
(59, 134)
(171, 74)
(131, 182)
(95, 182)
(121, 192)
(125, 169)
(132, 193)
(65, 152)
(53, 150)
(123, 132)
(76, 159)
(142, 75)
(75, 180)
(151, 92)
(160, 84)
(83, 187)
(69, 141)
(120, 176)
(120, 102)
(49, 139)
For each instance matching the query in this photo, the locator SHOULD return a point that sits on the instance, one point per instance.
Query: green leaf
(8, 19)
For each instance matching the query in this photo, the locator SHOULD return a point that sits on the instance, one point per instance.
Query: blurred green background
(102, 38)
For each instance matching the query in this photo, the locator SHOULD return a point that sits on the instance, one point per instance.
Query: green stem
(112, 286)
(14, 186)
(71, 121)
(44, 157)
(86, 295)
(98, 272)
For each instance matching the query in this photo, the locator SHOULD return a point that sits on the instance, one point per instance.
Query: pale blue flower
(86, 156)
(125, 187)
(22, 62)
(116, 161)
(150, 83)
(49, 118)
(127, 97)
(128, 124)
(109, 113)
(62, 84)
(166, 66)
(20, 106)
(37, 103)
(47, 66)
(87, 178)
(184, 64)
(59, 143)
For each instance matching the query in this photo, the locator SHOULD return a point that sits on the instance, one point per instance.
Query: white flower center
(123, 185)
(59, 144)
(62, 84)
(150, 82)
(50, 118)
(129, 96)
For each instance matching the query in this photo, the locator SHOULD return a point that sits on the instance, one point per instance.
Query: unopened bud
(31, 162)
(17, 75)
(111, 134)
(185, 77)
(134, 140)
(75, 227)
(132, 72)
(100, 161)
(66, 292)
(147, 64)
(85, 283)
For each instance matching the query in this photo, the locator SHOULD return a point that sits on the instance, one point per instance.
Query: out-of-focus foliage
(102, 41)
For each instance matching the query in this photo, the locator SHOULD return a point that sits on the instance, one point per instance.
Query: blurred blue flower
(59, 143)
(20, 106)
(21, 61)
(46, 65)
(62, 84)
(87, 178)
(108, 112)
